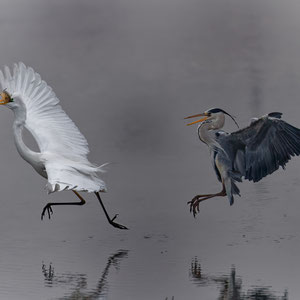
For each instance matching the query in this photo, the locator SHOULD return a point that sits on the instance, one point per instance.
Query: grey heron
(250, 153)
(62, 158)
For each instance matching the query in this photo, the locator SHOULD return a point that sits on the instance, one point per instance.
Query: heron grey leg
(110, 221)
(194, 203)
(48, 207)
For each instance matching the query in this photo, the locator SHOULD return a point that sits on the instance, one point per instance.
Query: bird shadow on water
(77, 282)
(231, 285)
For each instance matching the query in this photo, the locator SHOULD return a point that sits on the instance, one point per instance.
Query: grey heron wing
(264, 146)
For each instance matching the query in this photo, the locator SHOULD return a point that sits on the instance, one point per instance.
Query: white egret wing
(64, 149)
(72, 175)
(53, 130)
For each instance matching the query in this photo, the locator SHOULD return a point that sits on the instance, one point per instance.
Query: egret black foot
(47, 209)
(114, 224)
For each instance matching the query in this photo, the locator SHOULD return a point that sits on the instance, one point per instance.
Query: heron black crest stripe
(217, 110)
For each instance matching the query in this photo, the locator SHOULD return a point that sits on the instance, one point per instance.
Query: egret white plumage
(62, 158)
(250, 153)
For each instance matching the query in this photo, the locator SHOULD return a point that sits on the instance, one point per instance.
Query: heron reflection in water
(78, 282)
(253, 152)
(231, 285)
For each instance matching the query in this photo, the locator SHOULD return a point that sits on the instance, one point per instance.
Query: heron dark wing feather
(215, 167)
(261, 148)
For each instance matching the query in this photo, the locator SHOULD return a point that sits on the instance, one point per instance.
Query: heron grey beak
(198, 115)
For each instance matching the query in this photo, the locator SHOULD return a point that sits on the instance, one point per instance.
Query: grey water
(127, 72)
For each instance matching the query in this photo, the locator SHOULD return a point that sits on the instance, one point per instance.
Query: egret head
(213, 114)
(5, 98)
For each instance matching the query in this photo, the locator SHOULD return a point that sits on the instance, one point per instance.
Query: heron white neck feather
(207, 130)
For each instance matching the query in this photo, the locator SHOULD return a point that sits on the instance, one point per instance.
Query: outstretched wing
(53, 130)
(259, 149)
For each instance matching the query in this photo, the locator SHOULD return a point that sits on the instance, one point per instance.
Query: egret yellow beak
(198, 115)
(5, 98)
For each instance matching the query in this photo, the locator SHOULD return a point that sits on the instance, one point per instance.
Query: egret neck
(20, 116)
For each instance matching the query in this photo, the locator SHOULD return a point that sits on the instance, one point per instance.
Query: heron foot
(47, 209)
(194, 204)
(117, 225)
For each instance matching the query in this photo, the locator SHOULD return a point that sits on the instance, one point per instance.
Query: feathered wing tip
(275, 115)
(27, 83)
(234, 191)
(273, 146)
(20, 79)
(74, 175)
(45, 118)
(102, 168)
(231, 189)
(60, 186)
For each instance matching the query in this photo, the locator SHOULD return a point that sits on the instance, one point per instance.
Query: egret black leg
(194, 203)
(48, 207)
(110, 221)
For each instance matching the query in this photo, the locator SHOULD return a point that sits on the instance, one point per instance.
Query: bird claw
(194, 205)
(117, 225)
(114, 224)
(114, 217)
(49, 210)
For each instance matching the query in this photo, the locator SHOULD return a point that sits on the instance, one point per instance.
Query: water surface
(128, 72)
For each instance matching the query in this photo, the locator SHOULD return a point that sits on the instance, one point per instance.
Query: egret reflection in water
(78, 282)
(231, 285)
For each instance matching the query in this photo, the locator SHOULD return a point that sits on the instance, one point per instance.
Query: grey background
(127, 72)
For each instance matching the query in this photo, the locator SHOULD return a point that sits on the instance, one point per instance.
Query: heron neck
(207, 130)
(204, 132)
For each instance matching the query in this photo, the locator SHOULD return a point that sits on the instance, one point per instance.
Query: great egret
(62, 159)
(253, 152)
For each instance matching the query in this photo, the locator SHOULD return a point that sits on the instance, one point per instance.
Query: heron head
(5, 98)
(211, 114)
